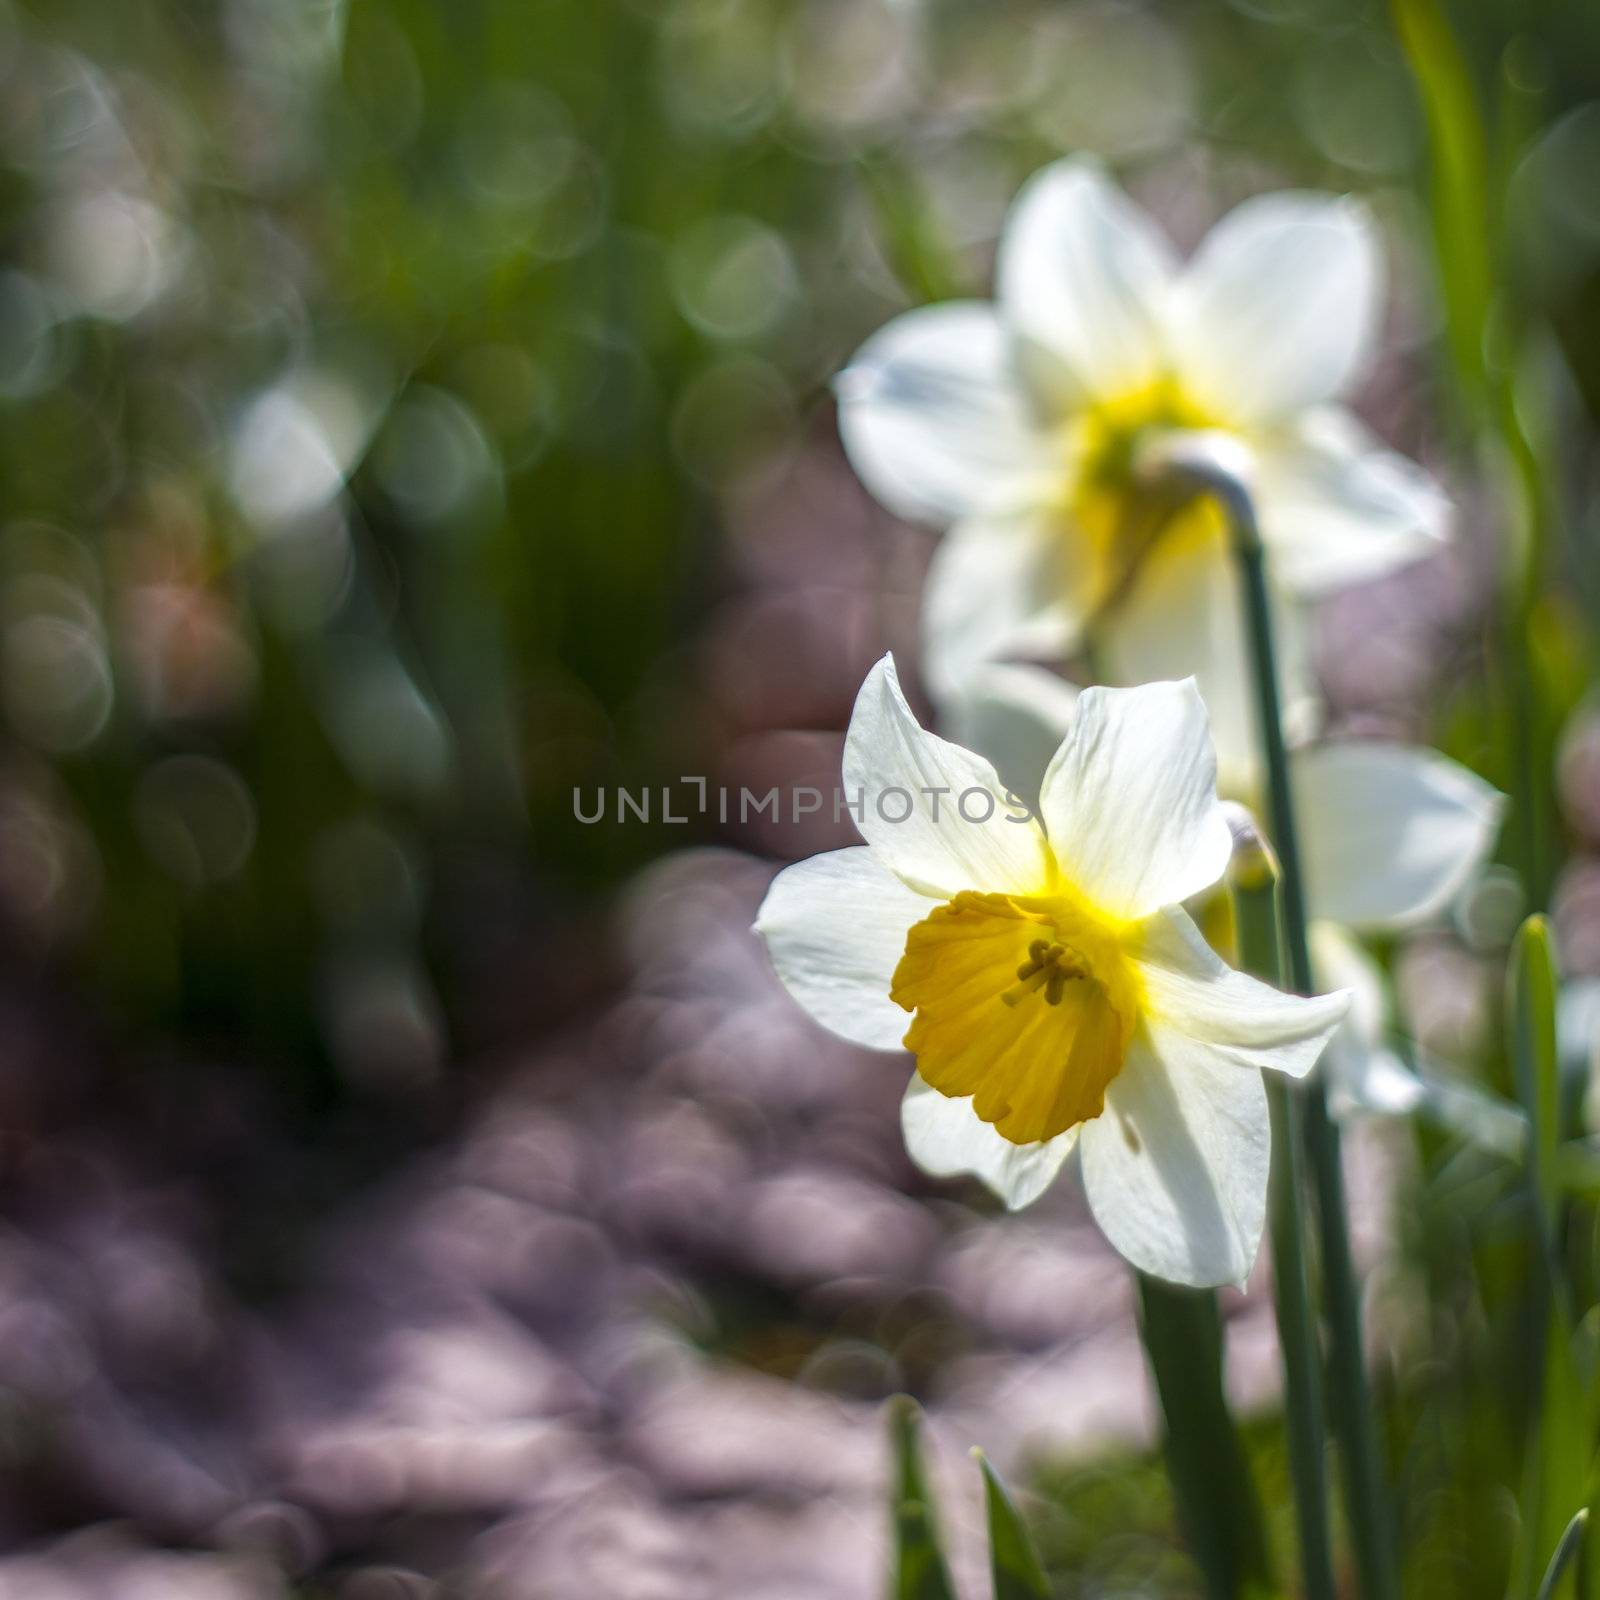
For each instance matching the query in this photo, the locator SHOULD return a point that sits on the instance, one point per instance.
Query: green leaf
(918, 256)
(1460, 183)
(1565, 1552)
(1556, 1468)
(1531, 1021)
(1556, 1478)
(1483, 326)
(920, 1572)
(1012, 1557)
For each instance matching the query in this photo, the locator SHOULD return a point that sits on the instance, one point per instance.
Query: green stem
(1354, 1423)
(1254, 880)
(1353, 1418)
(1212, 1486)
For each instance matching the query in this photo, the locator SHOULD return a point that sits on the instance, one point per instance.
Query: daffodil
(1390, 834)
(1042, 972)
(1021, 427)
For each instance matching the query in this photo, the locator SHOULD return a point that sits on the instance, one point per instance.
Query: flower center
(1027, 1005)
(1110, 522)
(1049, 967)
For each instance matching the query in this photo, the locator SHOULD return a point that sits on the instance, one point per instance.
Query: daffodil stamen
(1033, 1070)
(1049, 967)
(1111, 523)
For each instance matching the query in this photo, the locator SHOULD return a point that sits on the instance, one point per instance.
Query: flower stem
(1254, 878)
(1353, 1417)
(1212, 1486)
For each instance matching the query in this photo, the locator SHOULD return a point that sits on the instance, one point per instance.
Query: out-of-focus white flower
(1578, 1041)
(114, 254)
(1390, 834)
(1365, 1073)
(1059, 995)
(295, 444)
(1021, 426)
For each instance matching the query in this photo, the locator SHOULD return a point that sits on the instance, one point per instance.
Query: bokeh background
(412, 411)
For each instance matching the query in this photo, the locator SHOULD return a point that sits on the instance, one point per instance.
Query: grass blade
(920, 1572)
(1466, 205)
(1013, 1560)
(1556, 1466)
(1565, 1553)
(1531, 1018)
(1459, 202)
(916, 253)
(1556, 1478)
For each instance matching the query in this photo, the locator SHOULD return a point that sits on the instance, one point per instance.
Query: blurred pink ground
(497, 1375)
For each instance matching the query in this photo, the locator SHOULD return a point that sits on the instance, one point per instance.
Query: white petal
(1183, 615)
(1390, 833)
(1338, 508)
(1278, 309)
(1130, 800)
(947, 1139)
(1191, 990)
(1176, 1166)
(1084, 275)
(917, 793)
(835, 929)
(1015, 716)
(997, 587)
(935, 422)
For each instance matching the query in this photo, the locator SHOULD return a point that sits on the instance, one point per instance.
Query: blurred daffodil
(1021, 426)
(1057, 993)
(1390, 835)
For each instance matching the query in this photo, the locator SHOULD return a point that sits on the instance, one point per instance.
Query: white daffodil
(1056, 993)
(1019, 426)
(1389, 835)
